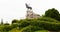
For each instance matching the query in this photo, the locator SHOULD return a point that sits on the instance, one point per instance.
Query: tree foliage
(14, 21)
(53, 13)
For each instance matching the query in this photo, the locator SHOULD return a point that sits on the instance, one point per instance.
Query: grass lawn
(42, 31)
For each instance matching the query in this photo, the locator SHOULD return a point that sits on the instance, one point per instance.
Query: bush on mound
(46, 23)
(30, 28)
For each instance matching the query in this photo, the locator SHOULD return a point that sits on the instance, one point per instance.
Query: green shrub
(44, 22)
(30, 28)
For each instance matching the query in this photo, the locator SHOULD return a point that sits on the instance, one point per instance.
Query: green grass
(42, 31)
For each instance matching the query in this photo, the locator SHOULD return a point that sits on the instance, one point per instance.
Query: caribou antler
(28, 6)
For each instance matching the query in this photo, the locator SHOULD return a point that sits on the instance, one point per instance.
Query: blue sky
(15, 9)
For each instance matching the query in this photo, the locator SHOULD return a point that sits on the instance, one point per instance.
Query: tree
(14, 21)
(53, 13)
